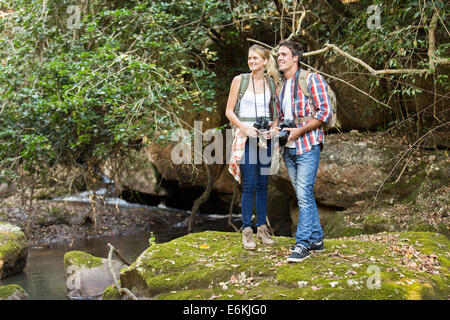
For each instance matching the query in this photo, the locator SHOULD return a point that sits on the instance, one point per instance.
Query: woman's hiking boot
(263, 234)
(247, 239)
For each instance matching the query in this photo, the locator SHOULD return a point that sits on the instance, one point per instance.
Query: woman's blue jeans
(255, 165)
(302, 170)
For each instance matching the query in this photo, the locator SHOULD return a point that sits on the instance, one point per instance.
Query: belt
(253, 119)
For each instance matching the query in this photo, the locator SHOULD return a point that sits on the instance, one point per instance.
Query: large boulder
(350, 170)
(138, 175)
(88, 276)
(13, 292)
(13, 250)
(214, 265)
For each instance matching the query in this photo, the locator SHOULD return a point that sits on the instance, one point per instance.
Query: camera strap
(254, 95)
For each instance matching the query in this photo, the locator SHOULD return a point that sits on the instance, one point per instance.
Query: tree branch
(433, 60)
(111, 270)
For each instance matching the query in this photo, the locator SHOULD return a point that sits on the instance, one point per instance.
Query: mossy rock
(111, 293)
(207, 265)
(334, 226)
(13, 250)
(87, 276)
(81, 259)
(12, 292)
(375, 222)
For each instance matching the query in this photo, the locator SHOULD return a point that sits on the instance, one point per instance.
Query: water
(44, 276)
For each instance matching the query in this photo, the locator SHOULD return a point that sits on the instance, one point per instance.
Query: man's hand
(294, 133)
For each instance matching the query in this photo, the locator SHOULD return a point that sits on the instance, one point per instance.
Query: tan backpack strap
(303, 81)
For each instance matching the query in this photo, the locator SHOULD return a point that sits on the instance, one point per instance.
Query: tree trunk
(200, 200)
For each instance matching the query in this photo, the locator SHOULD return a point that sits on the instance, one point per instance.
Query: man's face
(285, 59)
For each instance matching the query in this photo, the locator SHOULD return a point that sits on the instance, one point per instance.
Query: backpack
(245, 79)
(333, 122)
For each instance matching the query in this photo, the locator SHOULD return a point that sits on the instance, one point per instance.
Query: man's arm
(317, 87)
(295, 133)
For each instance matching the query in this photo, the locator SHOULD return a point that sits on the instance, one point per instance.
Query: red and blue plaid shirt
(301, 108)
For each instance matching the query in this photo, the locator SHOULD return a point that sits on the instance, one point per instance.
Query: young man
(302, 150)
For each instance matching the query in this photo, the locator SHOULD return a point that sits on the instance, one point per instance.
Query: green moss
(80, 258)
(374, 223)
(334, 226)
(10, 248)
(181, 269)
(9, 290)
(12, 243)
(111, 293)
(407, 191)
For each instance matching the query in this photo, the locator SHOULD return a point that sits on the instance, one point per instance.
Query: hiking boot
(317, 246)
(300, 253)
(263, 234)
(247, 239)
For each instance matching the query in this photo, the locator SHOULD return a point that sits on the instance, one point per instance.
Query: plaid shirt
(237, 152)
(317, 88)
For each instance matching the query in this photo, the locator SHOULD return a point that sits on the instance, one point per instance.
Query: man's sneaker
(247, 239)
(317, 246)
(300, 253)
(263, 234)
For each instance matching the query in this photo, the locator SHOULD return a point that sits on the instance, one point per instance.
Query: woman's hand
(250, 131)
(269, 134)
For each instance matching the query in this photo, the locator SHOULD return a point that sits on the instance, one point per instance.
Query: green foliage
(130, 69)
(78, 95)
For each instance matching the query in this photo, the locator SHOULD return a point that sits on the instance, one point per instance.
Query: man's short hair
(296, 49)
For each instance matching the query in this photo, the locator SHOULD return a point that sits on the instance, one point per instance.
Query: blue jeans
(302, 170)
(254, 176)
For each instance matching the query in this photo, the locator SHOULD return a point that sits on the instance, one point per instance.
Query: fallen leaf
(333, 284)
(204, 246)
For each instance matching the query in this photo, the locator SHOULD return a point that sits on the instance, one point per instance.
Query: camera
(284, 135)
(262, 125)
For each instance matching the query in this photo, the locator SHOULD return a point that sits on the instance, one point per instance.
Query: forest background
(82, 82)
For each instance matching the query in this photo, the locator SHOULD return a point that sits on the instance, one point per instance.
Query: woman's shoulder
(238, 78)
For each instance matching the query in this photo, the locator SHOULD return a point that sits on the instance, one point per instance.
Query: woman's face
(255, 61)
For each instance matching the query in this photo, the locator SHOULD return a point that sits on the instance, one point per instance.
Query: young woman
(251, 151)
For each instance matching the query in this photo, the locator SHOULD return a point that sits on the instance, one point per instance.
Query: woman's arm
(229, 112)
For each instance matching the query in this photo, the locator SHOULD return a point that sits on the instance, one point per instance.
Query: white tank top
(247, 106)
(287, 107)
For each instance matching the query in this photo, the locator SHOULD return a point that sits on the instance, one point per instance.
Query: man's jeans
(254, 170)
(302, 170)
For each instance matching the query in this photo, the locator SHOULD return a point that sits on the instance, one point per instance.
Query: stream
(43, 277)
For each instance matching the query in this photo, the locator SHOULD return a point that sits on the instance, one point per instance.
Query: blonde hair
(271, 66)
